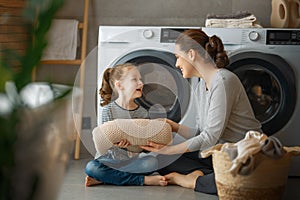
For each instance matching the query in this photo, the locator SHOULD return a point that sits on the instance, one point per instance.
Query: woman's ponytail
(215, 49)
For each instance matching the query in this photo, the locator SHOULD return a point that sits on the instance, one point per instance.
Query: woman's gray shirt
(224, 112)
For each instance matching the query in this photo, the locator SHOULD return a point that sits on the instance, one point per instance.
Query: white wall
(160, 12)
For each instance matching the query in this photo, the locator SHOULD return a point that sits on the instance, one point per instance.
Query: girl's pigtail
(106, 89)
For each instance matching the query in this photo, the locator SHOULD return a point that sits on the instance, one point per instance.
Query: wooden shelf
(83, 26)
(61, 62)
(13, 3)
(80, 25)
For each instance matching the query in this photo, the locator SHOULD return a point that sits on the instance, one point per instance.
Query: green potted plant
(36, 123)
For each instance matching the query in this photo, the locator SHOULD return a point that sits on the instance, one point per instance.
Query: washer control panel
(283, 37)
(169, 35)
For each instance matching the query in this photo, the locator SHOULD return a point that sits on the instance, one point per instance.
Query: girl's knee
(93, 167)
(97, 170)
(89, 167)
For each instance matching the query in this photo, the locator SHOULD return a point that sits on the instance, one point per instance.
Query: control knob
(253, 36)
(148, 34)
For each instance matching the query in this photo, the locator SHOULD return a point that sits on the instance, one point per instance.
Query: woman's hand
(155, 147)
(122, 144)
(166, 149)
(174, 125)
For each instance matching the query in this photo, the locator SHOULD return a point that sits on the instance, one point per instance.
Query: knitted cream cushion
(136, 131)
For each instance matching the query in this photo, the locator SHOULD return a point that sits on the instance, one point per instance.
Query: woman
(224, 111)
(121, 85)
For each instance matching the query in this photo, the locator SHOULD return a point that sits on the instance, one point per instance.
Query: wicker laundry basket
(266, 182)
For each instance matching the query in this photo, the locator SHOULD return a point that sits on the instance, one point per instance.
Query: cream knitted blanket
(136, 131)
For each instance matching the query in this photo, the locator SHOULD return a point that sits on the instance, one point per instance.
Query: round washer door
(270, 85)
(166, 93)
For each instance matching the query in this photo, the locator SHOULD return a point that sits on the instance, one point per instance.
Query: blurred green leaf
(6, 75)
(38, 15)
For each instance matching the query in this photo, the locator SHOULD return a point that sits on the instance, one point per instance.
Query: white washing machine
(166, 93)
(267, 62)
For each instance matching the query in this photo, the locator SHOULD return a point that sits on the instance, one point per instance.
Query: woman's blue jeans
(117, 172)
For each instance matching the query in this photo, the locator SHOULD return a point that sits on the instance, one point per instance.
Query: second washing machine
(267, 62)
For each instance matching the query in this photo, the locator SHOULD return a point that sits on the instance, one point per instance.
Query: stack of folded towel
(241, 19)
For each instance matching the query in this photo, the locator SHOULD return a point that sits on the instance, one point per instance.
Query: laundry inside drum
(159, 100)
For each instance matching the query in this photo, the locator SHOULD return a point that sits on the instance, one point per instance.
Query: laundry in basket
(253, 168)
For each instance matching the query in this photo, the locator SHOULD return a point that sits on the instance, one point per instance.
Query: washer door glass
(166, 93)
(270, 85)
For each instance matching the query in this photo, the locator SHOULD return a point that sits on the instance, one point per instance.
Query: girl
(224, 111)
(121, 85)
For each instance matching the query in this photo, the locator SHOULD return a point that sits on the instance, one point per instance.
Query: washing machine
(166, 93)
(267, 61)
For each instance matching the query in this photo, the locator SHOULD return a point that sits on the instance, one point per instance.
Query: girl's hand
(173, 125)
(123, 144)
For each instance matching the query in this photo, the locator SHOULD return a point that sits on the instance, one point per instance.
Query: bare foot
(89, 181)
(196, 173)
(155, 180)
(187, 181)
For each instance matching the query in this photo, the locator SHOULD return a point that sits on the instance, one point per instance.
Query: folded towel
(238, 20)
(237, 15)
(62, 40)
